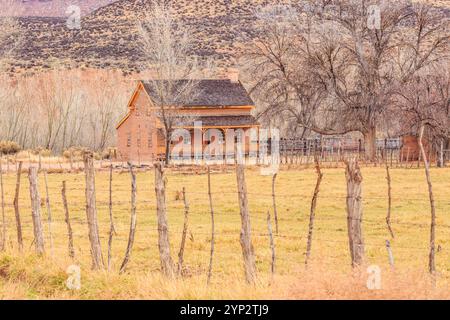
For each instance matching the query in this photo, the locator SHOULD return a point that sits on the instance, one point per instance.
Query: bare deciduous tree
(331, 72)
(174, 72)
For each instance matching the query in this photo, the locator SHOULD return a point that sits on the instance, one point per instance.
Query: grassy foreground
(26, 276)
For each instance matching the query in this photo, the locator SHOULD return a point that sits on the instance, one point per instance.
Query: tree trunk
(167, 266)
(245, 238)
(354, 212)
(133, 220)
(91, 212)
(431, 262)
(441, 163)
(167, 150)
(16, 208)
(36, 211)
(370, 144)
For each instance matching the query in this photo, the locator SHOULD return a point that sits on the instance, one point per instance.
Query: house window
(139, 142)
(137, 111)
(149, 112)
(129, 139)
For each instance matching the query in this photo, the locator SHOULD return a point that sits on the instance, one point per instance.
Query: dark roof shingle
(207, 93)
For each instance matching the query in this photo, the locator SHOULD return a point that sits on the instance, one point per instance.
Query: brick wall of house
(137, 137)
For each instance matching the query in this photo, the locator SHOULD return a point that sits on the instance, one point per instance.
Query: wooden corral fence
(331, 152)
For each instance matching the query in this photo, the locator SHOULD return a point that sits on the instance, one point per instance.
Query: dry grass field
(26, 276)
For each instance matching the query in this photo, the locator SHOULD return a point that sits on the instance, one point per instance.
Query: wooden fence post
(212, 227)
(275, 214)
(354, 212)
(112, 229)
(91, 212)
(312, 213)
(272, 245)
(49, 213)
(36, 211)
(388, 216)
(167, 265)
(2, 191)
(133, 220)
(390, 254)
(431, 262)
(245, 238)
(183, 236)
(67, 220)
(16, 208)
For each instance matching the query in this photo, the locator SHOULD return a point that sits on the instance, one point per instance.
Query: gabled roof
(204, 93)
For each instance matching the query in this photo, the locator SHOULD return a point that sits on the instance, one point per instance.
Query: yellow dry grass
(26, 276)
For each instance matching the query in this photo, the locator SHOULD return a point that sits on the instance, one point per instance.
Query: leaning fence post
(167, 265)
(67, 220)
(133, 220)
(183, 236)
(272, 245)
(16, 208)
(390, 254)
(354, 212)
(274, 203)
(431, 261)
(3, 238)
(49, 213)
(91, 212)
(313, 211)
(212, 226)
(36, 211)
(388, 216)
(245, 238)
(112, 229)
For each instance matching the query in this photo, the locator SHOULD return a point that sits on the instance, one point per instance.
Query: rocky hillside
(55, 8)
(108, 36)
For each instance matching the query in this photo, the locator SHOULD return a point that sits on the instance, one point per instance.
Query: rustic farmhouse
(220, 104)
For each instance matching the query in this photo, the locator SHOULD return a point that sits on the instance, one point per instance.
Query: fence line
(160, 202)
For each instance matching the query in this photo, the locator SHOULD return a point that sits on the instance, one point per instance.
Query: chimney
(233, 75)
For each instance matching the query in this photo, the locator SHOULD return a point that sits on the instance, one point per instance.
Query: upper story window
(129, 139)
